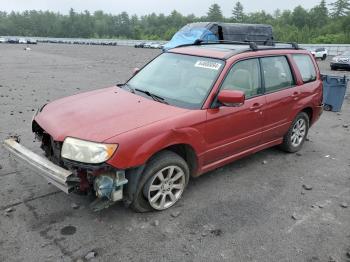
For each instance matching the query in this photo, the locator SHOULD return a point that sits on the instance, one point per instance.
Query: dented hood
(101, 114)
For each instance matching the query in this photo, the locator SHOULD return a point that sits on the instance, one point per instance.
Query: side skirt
(240, 155)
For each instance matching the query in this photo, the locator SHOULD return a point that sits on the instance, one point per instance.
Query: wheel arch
(309, 112)
(188, 153)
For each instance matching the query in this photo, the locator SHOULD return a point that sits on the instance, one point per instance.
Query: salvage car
(320, 53)
(188, 111)
(140, 45)
(22, 41)
(341, 61)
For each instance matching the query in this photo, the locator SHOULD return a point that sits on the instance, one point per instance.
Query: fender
(141, 149)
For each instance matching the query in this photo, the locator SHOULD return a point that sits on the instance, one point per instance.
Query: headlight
(86, 151)
(334, 59)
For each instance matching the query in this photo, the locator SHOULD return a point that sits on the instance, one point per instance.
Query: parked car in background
(140, 45)
(22, 41)
(3, 40)
(32, 41)
(12, 40)
(148, 44)
(320, 53)
(341, 61)
(188, 111)
(155, 45)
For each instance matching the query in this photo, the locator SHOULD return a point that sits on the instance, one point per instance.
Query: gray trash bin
(334, 89)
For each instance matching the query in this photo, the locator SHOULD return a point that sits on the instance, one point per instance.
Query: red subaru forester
(190, 110)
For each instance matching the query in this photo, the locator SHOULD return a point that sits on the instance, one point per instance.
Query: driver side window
(244, 76)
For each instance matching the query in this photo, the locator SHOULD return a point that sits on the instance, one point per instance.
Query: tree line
(324, 23)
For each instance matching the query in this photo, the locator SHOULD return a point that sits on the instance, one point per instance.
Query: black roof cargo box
(212, 31)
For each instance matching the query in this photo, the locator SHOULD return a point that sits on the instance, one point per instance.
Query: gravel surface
(255, 209)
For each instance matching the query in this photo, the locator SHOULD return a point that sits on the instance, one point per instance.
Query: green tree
(319, 15)
(259, 18)
(301, 25)
(340, 8)
(300, 17)
(215, 14)
(323, 7)
(238, 13)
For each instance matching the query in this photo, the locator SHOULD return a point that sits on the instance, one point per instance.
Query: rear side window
(277, 73)
(306, 67)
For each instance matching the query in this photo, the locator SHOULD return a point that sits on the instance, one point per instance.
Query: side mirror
(135, 71)
(231, 97)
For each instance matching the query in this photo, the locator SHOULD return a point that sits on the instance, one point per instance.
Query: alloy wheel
(298, 132)
(165, 188)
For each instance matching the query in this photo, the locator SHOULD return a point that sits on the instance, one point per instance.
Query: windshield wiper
(132, 90)
(154, 97)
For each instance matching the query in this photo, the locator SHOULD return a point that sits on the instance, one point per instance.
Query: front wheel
(162, 184)
(324, 57)
(297, 133)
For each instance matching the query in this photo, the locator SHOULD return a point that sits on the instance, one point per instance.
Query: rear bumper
(55, 174)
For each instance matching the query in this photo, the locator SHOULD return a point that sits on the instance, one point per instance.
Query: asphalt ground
(241, 212)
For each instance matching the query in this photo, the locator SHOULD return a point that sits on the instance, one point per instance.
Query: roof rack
(252, 44)
(293, 44)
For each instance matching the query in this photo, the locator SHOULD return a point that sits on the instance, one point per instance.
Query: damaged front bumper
(55, 174)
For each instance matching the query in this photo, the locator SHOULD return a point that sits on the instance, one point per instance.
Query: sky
(142, 7)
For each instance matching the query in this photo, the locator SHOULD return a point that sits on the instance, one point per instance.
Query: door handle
(255, 107)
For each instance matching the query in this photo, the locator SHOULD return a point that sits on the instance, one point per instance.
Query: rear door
(231, 130)
(282, 95)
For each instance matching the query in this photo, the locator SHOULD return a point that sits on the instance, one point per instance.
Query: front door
(231, 130)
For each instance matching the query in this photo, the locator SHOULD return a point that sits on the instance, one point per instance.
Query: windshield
(180, 80)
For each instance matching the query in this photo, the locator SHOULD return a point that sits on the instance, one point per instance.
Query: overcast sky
(141, 7)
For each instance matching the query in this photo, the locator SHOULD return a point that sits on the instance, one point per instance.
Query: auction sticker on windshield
(208, 65)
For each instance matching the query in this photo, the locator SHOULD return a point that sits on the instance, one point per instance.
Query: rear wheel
(297, 133)
(163, 183)
(324, 57)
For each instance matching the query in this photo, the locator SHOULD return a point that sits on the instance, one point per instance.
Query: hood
(342, 57)
(101, 114)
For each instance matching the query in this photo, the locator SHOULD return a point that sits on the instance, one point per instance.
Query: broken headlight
(86, 151)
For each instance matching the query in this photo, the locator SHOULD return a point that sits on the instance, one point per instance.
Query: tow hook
(109, 189)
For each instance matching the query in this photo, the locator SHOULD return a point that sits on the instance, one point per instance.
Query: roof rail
(293, 44)
(252, 44)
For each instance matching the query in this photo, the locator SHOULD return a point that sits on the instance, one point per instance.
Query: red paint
(231, 97)
(143, 127)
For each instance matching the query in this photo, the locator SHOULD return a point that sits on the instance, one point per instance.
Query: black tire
(327, 107)
(333, 68)
(324, 57)
(287, 144)
(155, 164)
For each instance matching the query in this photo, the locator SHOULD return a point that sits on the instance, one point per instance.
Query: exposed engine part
(110, 185)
